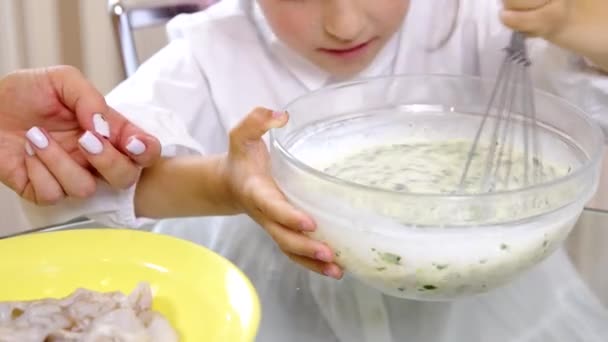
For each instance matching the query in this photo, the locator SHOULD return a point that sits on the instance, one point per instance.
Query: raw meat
(86, 316)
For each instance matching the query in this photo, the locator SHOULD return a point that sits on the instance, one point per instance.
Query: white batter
(435, 263)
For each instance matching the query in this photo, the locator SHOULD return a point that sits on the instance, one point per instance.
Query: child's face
(340, 36)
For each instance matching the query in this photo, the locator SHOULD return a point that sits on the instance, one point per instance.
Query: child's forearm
(185, 186)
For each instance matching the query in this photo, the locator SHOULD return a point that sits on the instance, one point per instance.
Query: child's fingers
(274, 206)
(75, 180)
(116, 168)
(521, 21)
(326, 269)
(43, 188)
(254, 126)
(537, 22)
(292, 242)
(525, 5)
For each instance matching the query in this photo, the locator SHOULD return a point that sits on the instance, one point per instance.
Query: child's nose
(344, 19)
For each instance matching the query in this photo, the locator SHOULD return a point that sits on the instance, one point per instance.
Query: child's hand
(543, 18)
(249, 179)
(577, 25)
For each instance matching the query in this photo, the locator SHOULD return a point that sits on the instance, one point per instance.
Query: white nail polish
(29, 149)
(90, 143)
(136, 146)
(102, 127)
(36, 137)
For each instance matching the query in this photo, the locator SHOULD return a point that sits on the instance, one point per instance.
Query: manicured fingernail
(90, 143)
(136, 146)
(36, 137)
(323, 256)
(29, 149)
(277, 114)
(332, 272)
(102, 127)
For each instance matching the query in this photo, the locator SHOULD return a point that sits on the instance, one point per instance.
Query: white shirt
(225, 61)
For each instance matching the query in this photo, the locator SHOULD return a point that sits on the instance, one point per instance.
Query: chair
(129, 16)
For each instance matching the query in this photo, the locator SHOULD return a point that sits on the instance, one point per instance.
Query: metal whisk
(511, 104)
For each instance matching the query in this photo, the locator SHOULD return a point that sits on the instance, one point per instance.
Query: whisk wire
(488, 182)
(482, 124)
(537, 165)
(506, 140)
(512, 94)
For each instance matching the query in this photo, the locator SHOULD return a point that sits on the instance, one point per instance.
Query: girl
(241, 54)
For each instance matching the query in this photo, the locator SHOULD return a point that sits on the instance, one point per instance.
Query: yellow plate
(205, 297)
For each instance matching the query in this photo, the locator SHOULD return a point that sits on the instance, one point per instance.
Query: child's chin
(345, 71)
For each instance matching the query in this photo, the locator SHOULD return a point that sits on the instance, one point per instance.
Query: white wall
(101, 61)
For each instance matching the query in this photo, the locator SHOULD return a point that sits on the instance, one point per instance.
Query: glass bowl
(430, 245)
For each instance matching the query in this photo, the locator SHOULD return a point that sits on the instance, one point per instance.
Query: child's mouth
(349, 52)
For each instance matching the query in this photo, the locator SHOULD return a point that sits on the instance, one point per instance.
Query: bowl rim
(594, 156)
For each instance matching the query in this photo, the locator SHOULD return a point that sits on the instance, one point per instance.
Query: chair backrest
(130, 15)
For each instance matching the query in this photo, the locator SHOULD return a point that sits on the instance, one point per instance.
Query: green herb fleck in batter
(390, 258)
